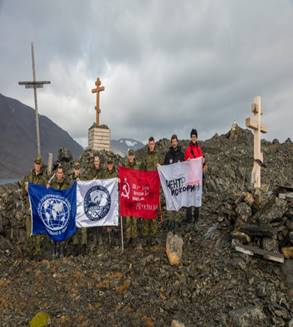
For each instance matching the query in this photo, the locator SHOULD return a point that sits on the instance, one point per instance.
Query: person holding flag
(193, 151)
(59, 182)
(96, 172)
(80, 237)
(37, 176)
(130, 222)
(109, 172)
(150, 163)
(174, 155)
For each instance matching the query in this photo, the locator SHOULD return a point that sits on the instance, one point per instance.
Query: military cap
(110, 160)
(38, 160)
(130, 152)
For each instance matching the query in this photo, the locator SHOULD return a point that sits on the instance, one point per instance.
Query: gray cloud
(167, 67)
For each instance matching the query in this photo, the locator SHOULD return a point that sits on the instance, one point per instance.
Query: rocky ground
(214, 285)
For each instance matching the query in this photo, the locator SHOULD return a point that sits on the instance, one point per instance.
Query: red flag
(139, 193)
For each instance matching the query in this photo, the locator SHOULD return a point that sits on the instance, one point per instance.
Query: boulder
(248, 198)
(247, 316)
(174, 245)
(244, 212)
(176, 323)
(288, 252)
(41, 319)
(273, 211)
(270, 244)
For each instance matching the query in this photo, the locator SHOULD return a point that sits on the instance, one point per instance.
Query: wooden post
(97, 90)
(35, 84)
(50, 163)
(254, 122)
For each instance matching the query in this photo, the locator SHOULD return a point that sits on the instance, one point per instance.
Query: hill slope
(17, 138)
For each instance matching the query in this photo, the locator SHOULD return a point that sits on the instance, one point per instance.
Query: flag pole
(121, 220)
(161, 211)
(122, 238)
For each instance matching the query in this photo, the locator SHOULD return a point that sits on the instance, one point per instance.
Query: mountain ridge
(17, 141)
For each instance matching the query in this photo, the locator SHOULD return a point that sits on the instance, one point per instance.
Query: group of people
(150, 161)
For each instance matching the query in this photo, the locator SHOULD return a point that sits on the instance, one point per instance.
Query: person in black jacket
(174, 155)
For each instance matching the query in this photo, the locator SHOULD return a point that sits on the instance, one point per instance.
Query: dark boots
(83, 249)
(196, 214)
(192, 215)
(58, 250)
(188, 217)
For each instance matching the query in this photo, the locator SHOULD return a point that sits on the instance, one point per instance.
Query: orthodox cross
(97, 90)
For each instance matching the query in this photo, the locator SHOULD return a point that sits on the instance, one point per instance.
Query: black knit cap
(193, 132)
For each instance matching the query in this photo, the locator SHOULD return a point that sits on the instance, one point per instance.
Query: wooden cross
(97, 90)
(34, 84)
(255, 123)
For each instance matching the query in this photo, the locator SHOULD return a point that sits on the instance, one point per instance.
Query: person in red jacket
(192, 151)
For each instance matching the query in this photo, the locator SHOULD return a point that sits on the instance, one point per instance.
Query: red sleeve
(187, 153)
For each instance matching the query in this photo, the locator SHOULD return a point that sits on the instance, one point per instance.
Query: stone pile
(265, 220)
(12, 224)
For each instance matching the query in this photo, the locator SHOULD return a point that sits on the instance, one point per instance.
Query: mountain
(122, 145)
(17, 138)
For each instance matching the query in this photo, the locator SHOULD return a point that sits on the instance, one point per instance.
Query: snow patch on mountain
(122, 145)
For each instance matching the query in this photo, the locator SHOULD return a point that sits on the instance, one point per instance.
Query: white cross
(256, 125)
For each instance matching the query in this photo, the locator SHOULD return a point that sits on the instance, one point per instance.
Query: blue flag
(53, 211)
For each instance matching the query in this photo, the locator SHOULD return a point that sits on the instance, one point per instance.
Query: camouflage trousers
(130, 228)
(174, 215)
(34, 241)
(149, 227)
(80, 237)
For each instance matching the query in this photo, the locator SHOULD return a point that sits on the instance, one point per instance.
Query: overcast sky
(167, 66)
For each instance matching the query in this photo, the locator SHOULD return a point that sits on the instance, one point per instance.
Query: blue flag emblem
(53, 211)
(97, 202)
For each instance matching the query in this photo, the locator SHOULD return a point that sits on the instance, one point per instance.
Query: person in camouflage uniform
(130, 222)
(150, 162)
(80, 237)
(174, 155)
(96, 172)
(58, 182)
(109, 172)
(36, 176)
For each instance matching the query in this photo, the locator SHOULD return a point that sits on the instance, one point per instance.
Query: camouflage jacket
(109, 174)
(95, 174)
(59, 185)
(133, 165)
(32, 177)
(150, 161)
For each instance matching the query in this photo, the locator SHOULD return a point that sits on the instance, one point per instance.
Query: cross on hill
(254, 122)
